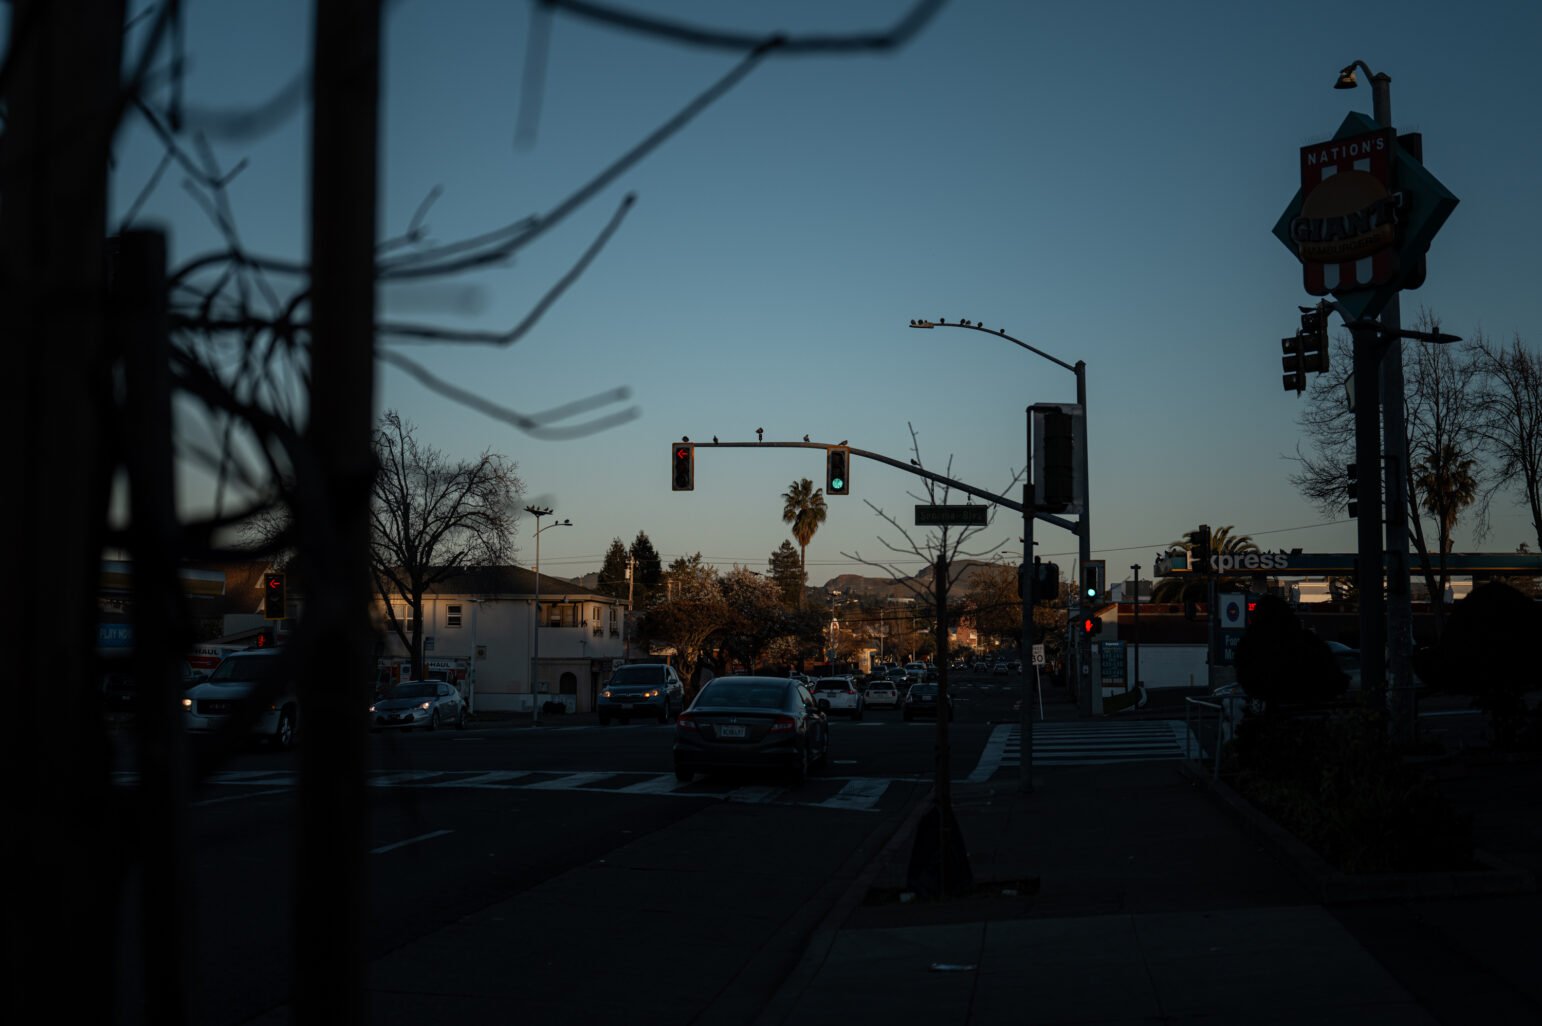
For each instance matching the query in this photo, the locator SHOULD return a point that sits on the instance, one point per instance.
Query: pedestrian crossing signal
(1092, 625)
(684, 463)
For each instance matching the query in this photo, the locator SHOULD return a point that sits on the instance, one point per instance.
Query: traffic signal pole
(1368, 353)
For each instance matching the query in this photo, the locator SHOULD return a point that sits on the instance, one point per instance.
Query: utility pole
(626, 624)
(331, 896)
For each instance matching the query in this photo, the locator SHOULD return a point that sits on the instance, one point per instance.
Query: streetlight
(1399, 605)
(535, 644)
(1084, 545)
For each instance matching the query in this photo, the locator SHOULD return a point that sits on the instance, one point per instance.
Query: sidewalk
(1155, 905)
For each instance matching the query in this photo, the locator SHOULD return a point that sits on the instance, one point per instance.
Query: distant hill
(887, 587)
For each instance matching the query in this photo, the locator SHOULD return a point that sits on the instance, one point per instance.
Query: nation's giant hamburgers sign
(1347, 232)
(1364, 216)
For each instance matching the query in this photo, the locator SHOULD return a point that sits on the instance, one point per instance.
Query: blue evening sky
(1099, 178)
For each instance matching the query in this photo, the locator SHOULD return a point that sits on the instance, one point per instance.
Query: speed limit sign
(1038, 655)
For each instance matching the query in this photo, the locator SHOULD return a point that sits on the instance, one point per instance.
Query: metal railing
(1195, 715)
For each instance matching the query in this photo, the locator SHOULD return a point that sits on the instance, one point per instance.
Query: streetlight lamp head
(1346, 79)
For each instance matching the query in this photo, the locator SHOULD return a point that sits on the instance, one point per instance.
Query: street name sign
(951, 516)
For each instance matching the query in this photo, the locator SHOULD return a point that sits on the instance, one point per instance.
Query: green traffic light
(837, 483)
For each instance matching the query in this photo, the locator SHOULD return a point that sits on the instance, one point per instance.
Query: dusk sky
(1098, 178)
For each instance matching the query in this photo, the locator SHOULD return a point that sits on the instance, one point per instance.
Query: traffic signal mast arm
(1014, 505)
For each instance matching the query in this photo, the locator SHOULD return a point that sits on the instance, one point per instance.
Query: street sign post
(952, 516)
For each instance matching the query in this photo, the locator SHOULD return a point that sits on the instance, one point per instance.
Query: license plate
(730, 732)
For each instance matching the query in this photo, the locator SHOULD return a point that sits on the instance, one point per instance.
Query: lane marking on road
(845, 762)
(238, 797)
(411, 840)
(491, 779)
(861, 793)
(990, 757)
(1453, 712)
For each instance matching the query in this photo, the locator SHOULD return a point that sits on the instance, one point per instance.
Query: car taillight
(684, 724)
(782, 724)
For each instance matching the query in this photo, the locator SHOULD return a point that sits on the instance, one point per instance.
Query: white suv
(839, 695)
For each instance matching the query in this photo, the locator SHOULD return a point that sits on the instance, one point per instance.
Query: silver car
(254, 684)
(429, 704)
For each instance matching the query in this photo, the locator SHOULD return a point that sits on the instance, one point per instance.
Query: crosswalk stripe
(403, 777)
(1093, 744)
(494, 778)
(755, 795)
(662, 784)
(859, 793)
(568, 781)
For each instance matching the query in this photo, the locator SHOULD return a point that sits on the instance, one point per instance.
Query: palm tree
(1445, 487)
(803, 506)
(1192, 586)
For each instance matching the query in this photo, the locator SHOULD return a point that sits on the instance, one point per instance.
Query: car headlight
(425, 706)
(371, 708)
(605, 693)
(651, 693)
(187, 703)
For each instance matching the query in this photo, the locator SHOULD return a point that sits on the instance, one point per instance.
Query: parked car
(258, 675)
(752, 722)
(915, 672)
(648, 689)
(1000, 669)
(881, 693)
(839, 695)
(921, 700)
(930, 673)
(429, 704)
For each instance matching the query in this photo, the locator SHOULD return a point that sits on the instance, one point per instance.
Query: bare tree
(432, 519)
(1510, 422)
(1442, 416)
(691, 611)
(940, 548)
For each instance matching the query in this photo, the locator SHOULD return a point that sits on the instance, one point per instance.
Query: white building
(489, 614)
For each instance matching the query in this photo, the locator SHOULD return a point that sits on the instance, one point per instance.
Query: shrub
(1484, 652)
(1334, 782)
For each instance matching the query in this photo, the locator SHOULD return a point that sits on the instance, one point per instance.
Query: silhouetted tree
(1282, 663)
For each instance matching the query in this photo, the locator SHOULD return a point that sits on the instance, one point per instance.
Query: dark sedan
(751, 723)
(921, 700)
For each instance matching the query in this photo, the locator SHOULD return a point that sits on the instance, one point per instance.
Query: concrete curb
(1333, 887)
(818, 948)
